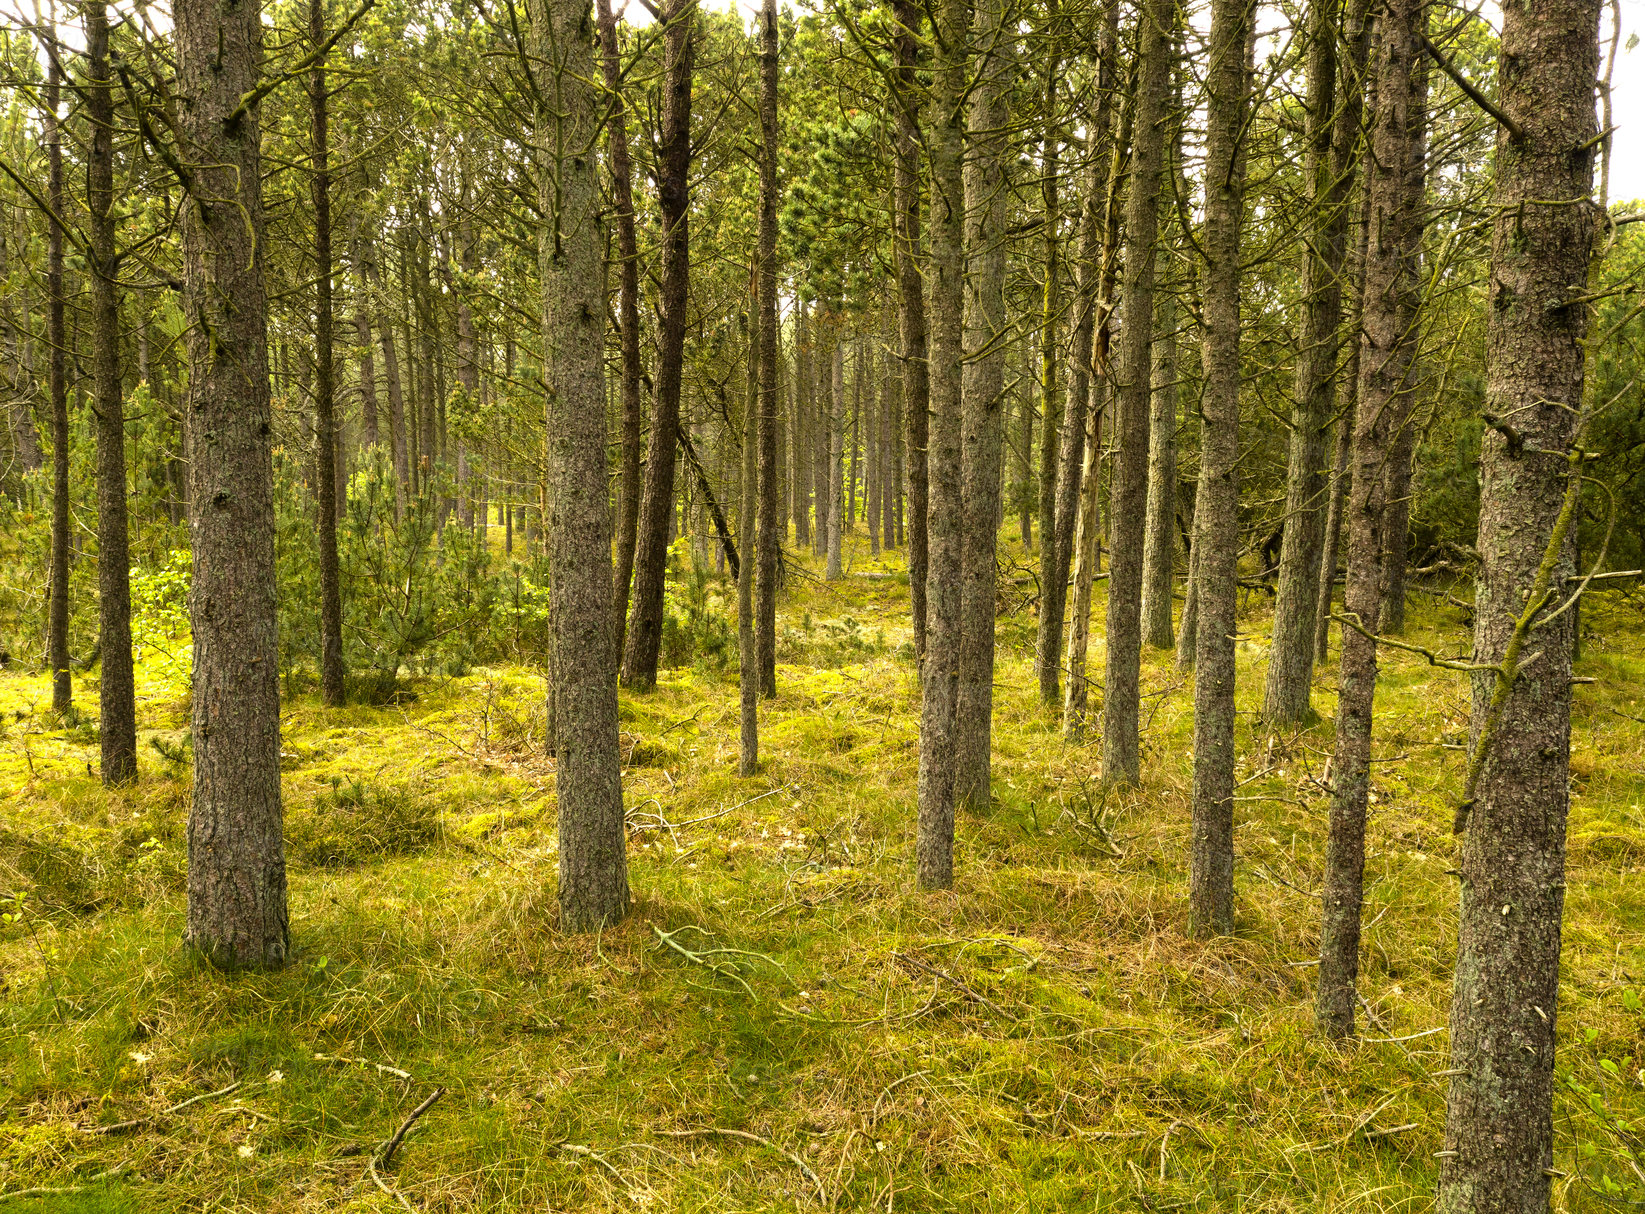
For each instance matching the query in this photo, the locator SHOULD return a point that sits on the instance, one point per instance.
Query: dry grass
(1045, 1037)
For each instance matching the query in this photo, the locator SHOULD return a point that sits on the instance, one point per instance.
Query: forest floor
(1044, 1037)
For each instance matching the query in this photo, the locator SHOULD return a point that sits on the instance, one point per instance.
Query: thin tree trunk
(945, 279)
(1335, 103)
(986, 178)
(1387, 352)
(834, 472)
(748, 659)
(1188, 625)
(1121, 743)
(325, 445)
(645, 627)
(593, 876)
(62, 686)
(769, 544)
(1051, 399)
(236, 863)
(1159, 534)
(1216, 504)
(1057, 541)
(1505, 1002)
(117, 695)
(804, 425)
(391, 373)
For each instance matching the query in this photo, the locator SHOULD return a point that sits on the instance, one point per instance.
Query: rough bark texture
(645, 626)
(1160, 526)
(62, 685)
(803, 439)
(236, 861)
(1335, 96)
(628, 315)
(1216, 504)
(1057, 535)
(1499, 1116)
(593, 878)
(1387, 348)
(748, 508)
(1128, 491)
(834, 468)
(911, 306)
(1051, 397)
(768, 549)
(325, 427)
(982, 437)
(945, 282)
(117, 693)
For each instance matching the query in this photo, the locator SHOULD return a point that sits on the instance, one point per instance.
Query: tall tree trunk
(1051, 399)
(1387, 350)
(325, 445)
(645, 627)
(1159, 534)
(804, 425)
(1057, 540)
(400, 454)
(628, 315)
(1121, 744)
(769, 544)
(986, 177)
(1334, 108)
(911, 305)
(1499, 1115)
(368, 364)
(834, 472)
(593, 879)
(117, 695)
(748, 660)
(236, 863)
(1216, 504)
(945, 280)
(62, 686)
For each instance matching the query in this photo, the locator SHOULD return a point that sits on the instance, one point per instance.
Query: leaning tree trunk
(1332, 143)
(911, 305)
(945, 282)
(1387, 349)
(986, 178)
(1499, 1117)
(325, 438)
(645, 627)
(1128, 492)
(62, 684)
(117, 695)
(1216, 504)
(768, 552)
(236, 862)
(593, 880)
(628, 315)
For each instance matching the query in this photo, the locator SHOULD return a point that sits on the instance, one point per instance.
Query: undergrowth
(783, 1022)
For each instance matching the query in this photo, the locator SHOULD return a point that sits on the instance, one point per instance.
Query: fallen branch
(955, 982)
(377, 1066)
(64, 1190)
(708, 958)
(822, 1194)
(597, 1158)
(121, 1127)
(393, 1144)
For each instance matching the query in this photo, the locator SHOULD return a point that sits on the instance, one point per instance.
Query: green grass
(1044, 1037)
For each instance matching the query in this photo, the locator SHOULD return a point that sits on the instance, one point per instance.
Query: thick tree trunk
(1388, 347)
(325, 445)
(645, 626)
(768, 551)
(1216, 504)
(236, 864)
(945, 281)
(117, 694)
(911, 307)
(1128, 492)
(1499, 1115)
(593, 879)
(1057, 538)
(986, 179)
(1335, 104)
(62, 686)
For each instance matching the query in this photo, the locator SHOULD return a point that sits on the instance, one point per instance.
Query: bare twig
(393, 1144)
(822, 1194)
(956, 983)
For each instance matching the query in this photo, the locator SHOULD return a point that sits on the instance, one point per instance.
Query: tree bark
(1216, 504)
(1051, 398)
(400, 455)
(325, 444)
(62, 686)
(645, 627)
(593, 877)
(117, 695)
(1387, 349)
(834, 471)
(1057, 539)
(986, 185)
(236, 864)
(1499, 1115)
(1160, 527)
(769, 543)
(368, 364)
(1334, 110)
(803, 439)
(1128, 491)
(748, 508)
(945, 281)
(911, 306)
